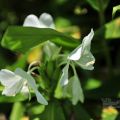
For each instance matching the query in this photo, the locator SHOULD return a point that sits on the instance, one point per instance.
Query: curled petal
(31, 21)
(64, 76)
(86, 44)
(8, 78)
(75, 54)
(13, 83)
(46, 21)
(13, 89)
(31, 82)
(82, 55)
(86, 61)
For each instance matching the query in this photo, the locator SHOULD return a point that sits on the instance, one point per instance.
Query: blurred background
(75, 18)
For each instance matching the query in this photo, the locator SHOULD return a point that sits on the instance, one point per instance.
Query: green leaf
(92, 83)
(65, 91)
(32, 84)
(78, 109)
(72, 90)
(115, 9)
(110, 30)
(36, 109)
(98, 4)
(24, 38)
(109, 113)
(17, 111)
(18, 97)
(58, 91)
(53, 112)
(76, 91)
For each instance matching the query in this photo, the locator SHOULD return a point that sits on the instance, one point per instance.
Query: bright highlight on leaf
(19, 81)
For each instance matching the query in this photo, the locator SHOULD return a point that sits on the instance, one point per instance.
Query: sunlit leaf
(36, 109)
(110, 30)
(115, 9)
(19, 97)
(24, 38)
(17, 111)
(109, 113)
(92, 84)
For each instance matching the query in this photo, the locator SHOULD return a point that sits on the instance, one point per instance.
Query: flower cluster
(81, 56)
(20, 81)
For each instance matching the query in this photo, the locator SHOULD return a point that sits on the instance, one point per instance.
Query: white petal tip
(31, 21)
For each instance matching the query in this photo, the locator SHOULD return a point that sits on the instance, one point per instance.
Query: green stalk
(17, 111)
(104, 43)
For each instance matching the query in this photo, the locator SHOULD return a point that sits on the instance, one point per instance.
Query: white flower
(82, 55)
(44, 21)
(19, 81)
(12, 82)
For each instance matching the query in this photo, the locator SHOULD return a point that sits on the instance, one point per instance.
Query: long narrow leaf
(24, 38)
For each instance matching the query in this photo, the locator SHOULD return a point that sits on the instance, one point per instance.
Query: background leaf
(115, 9)
(53, 112)
(110, 30)
(18, 97)
(98, 4)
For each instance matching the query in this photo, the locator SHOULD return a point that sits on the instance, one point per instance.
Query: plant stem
(104, 43)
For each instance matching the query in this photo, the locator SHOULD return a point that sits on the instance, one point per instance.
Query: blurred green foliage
(72, 18)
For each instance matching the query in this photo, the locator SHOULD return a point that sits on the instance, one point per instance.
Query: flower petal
(46, 21)
(8, 78)
(32, 84)
(25, 89)
(75, 54)
(31, 21)
(64, 76)
(87, 41)
(84, 47)
(13, 89)
(40, 98)
(86, 61)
